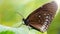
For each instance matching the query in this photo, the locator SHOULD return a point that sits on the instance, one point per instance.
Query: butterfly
(41, 18)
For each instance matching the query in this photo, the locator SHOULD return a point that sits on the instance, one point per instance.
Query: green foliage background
(12, 12)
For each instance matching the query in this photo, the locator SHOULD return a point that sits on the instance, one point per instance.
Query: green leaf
(7, 32)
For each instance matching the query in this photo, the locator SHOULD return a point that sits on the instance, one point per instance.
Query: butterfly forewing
(42, 17)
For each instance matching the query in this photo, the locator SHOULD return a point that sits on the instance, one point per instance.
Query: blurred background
(11, 22)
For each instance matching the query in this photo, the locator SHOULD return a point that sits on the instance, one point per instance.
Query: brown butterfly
(41, 18)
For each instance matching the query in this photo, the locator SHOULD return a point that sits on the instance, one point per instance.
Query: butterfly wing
(42, 17)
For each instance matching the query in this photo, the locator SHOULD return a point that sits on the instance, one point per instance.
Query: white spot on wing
(45, 23)
(47, 20)
(44, 13)
(47, 16)
(43, 28)
(39, 16)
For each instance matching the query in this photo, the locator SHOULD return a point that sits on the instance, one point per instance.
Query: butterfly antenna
(20, 14)
(22, 17)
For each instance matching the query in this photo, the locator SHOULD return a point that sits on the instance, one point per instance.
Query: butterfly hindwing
(42, 17)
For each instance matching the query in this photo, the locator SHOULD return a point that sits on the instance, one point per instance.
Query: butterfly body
(41, 18)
